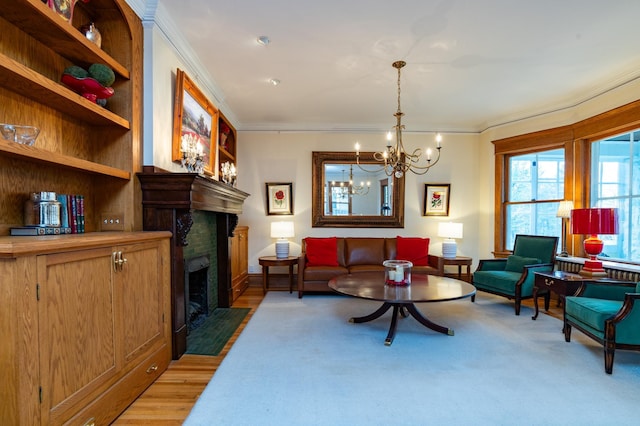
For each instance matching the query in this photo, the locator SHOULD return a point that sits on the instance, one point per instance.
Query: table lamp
(564, 212)
(593, 222)
(450, 231)
(282, 231)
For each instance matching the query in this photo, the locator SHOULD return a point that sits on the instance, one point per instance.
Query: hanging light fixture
(396, 160)
(352, 188)
(362, 189)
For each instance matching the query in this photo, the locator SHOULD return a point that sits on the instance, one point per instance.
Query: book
(39, 230)
(64, 213)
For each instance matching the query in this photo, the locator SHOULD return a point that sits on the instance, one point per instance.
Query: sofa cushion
(323, 273)
(321, 251)
(517, 263)
(503, 282)
(413, 249)
(364, 251)
(592, 312)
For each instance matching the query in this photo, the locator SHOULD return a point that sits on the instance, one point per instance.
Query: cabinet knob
(90, 422)
(152, 369)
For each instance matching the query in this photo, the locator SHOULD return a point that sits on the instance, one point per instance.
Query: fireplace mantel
(168, 199)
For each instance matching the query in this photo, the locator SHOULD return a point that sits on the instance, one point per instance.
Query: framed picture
(279, 198)
(195, 125)
(436, 199)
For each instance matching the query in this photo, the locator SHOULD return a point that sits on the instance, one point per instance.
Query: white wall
(467, 161)
(286, 157)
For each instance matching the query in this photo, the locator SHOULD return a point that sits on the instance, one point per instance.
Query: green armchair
(608, 313)
(513, 277)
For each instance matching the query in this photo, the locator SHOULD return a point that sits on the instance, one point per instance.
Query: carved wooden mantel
(168, 199)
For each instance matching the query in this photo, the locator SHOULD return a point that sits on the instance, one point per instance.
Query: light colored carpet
(300, 362)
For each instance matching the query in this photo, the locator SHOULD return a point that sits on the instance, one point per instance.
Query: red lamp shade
(592, 222)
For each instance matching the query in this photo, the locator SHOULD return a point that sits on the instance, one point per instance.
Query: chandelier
(353, 189)
(396, 160)
(362, 189)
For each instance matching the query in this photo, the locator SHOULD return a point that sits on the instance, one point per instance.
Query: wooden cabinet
(86, 327)
(83, 148)
(239, 260)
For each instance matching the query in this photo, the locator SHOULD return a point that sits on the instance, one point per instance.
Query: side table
(459, 261)
(267, 261)
(560, 282)
(563, 284)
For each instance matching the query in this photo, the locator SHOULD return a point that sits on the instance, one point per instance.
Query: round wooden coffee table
(423, 289)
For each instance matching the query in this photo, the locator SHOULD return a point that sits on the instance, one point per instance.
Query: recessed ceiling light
(274, 81)
(263, 40)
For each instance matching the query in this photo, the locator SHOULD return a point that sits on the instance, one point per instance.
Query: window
(339, 201)
(536, 186)
(615, 182)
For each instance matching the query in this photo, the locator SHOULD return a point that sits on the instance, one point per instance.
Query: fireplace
(169, 203)
(196, 291)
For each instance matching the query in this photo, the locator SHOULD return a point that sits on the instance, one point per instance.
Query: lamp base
(592, 268)
(449, 249)
(282, 249)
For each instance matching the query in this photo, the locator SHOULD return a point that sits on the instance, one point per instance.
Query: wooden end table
(562, 283)
(267, 261)
(459, 261)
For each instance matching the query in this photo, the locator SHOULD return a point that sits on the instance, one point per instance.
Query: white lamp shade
(564, 209)
(450, 230)
(282, 230)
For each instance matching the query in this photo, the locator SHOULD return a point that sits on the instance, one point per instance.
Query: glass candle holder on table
(397, 272)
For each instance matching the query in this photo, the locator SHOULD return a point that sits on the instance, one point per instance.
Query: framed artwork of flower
(436, 199)
(279, 198)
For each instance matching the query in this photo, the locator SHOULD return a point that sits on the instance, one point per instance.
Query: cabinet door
(140, 299)
(76, 320)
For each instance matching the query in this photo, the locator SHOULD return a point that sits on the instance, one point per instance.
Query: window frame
(576, 140)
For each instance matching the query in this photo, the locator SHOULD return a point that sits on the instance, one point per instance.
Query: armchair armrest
(606, 290)
(491, 264)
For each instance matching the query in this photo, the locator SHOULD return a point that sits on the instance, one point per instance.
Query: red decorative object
(64, 8)
(88, 87)
(593, 222)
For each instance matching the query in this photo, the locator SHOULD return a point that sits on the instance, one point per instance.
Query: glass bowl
(25, 135)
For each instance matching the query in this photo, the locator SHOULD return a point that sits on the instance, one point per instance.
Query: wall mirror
(346, 196)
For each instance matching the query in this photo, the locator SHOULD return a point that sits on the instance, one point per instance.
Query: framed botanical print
(436, 199)
(195, 126)
(279, 198)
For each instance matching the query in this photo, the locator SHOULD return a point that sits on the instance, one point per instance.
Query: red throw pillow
(415, 250)
(322, 251)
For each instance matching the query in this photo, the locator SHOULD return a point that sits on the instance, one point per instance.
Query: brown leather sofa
(355, 255)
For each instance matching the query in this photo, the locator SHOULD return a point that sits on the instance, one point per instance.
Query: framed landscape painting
(279, 198)
(436, 199)
(195, 123)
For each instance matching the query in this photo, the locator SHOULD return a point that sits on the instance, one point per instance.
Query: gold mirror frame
(320, 220)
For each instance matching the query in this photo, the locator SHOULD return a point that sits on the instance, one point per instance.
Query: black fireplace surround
(168, 200)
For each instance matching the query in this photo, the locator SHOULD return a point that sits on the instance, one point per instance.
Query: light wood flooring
(169, 399)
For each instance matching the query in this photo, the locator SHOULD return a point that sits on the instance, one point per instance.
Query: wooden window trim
(576, 140)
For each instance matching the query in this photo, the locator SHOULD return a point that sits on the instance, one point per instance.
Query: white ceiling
(471, 64)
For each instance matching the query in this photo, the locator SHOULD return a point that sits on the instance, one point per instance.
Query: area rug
(300, 362)
(215, 331)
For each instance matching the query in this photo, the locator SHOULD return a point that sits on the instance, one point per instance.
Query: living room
(468, 164)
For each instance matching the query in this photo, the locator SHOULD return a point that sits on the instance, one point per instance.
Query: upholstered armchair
(513, 277)
(608, 313)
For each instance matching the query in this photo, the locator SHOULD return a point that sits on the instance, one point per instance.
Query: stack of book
(71, 218)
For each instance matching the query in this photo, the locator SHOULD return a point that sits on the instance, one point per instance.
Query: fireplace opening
(196, 289)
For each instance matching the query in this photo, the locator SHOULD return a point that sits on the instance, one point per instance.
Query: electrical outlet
(112, 222)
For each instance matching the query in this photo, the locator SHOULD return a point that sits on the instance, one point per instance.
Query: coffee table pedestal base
(401, 309)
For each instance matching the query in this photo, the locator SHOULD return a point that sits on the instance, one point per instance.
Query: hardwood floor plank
(170, 398)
